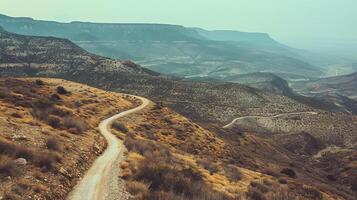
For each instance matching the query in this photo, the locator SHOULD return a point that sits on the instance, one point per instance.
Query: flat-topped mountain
(175, 50)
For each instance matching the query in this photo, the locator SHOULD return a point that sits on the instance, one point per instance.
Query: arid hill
(213, 163)
(48, 134)
(42, 56)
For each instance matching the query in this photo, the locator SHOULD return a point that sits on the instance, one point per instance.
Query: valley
(197, 115)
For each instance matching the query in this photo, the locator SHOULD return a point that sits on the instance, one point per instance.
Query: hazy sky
(296, 22)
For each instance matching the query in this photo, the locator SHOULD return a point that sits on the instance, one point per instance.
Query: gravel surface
(102, 181)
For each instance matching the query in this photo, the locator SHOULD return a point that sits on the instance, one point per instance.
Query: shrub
(208, 165)
(39, 82)
(4, 93)
(47, 160)
(255, 194)
(331, 177)
(78, 126)
(283, 181)
(62, 90)
(55, 97)
(311, 193)
(54, 121)
(281, 194)
(53, 144)
(259, 186)
(354, 185)
(120, 127)
(138, 189)
(25, 153)
(16, 115)
(289, 172)
(8, 167)
(15, 151)
(233, 173)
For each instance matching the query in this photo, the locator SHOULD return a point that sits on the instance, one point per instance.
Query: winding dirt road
(101, 181)
(274, 116)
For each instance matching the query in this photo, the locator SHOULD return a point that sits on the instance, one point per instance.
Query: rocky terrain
(48, 135)
(293, 155)
(344, 85)
(330, 101)
(201, 101)
(225, 164)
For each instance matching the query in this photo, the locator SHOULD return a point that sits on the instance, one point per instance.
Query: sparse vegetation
(4, 92)
(8, 167)
(208, 164)
(289, 172)
(39, 82)
(120, 127)
(168, 177)
(75, 125)
(62, 90)
(40, 158)
(53, 144)
(37, 149)
(137, 189)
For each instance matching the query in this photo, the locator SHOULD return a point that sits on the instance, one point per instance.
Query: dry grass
(120, 127)
(75, 125)
(137, 189)
(8, 167)
(43, 127)
(52, 143)
(168, 177)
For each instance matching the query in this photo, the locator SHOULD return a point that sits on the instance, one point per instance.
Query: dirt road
(101, 182)
(275, 116)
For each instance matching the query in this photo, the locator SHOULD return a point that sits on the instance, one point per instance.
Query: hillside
(48, 134)
(172, 49)
(48, 55)
(344, 85)
(273, 83)
(166, 147)
(338, 89)
(201, 101)
(43, 159)
(163, 143)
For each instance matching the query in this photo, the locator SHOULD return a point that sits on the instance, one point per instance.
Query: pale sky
(300, 23)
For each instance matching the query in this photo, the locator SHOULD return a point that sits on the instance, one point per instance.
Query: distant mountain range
(177, 50)
(52, 57)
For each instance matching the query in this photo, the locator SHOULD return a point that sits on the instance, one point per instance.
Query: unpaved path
(101, 181)
(274, 116)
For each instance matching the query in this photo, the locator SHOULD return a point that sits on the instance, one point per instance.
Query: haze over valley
(149, 110)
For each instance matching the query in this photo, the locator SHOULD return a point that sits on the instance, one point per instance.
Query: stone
(21, 161)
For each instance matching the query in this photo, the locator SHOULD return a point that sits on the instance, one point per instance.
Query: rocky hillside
(275, 84)
(343, 85)
(42, 56)
(172, 49)
(53, 56)
(165, 147)
(338, 89)
(48, 135)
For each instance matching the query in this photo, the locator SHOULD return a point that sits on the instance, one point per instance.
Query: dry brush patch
(46, 140)
(239, 166)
